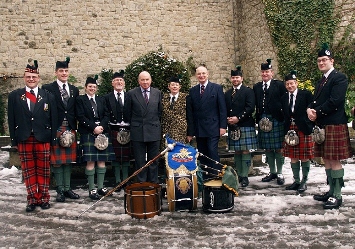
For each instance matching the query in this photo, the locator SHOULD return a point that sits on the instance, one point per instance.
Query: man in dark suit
(327, 110)
(268, 95)
(63, 157)
(32, 116)
(240, 101)
(206, 118)
(294, 106)
(144, 108)
(119, 126)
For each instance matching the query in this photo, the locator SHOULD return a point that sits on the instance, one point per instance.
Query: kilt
(62, 155)
(247, 140)
(304, 150)
(272, 140)
(336, 145)
(90, 153)
(123, 152)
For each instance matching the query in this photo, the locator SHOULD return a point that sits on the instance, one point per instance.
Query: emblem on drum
(183, 156)
(183, 184)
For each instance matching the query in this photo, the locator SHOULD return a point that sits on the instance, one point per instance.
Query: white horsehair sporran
(66, 139)
(123, 136)
(101, 142)
(318, 135)
(291, 138)
(265, 124)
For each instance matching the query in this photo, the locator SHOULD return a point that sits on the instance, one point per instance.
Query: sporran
(66, 139)
(235, 133)
(265, 124)
(318, 135)
(291, 138)
(123, 136)
(101, 142)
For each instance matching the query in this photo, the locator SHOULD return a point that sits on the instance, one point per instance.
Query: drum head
(213, 183)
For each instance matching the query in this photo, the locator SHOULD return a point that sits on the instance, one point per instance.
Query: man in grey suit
(144, 110)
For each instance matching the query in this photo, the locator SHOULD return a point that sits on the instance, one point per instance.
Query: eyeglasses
(31, 77)
(322, 60)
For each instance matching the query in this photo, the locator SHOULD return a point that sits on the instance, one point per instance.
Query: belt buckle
(65, 123)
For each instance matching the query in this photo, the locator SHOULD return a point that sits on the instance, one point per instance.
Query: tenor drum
(182, 192)
(215, 198)
(143, 200)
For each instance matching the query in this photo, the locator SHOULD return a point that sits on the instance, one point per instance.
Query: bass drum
(182, 192)
(143, 200)
(215, 198)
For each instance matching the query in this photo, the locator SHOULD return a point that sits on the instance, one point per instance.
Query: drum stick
(168, 148)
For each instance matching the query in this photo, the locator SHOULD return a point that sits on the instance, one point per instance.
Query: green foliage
(306, 85)
(105, 81)
(161, 68)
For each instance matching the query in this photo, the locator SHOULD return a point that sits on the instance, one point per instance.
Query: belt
(118, 127)
(65, 123)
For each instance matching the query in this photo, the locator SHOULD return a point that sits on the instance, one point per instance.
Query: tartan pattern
(35, 165)
(336, 145)
(123, 153)
(304, 150)
(62, 155)
(247, 141)
(272, 140)
(90, 153)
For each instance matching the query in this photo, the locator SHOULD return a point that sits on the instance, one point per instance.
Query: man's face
(325, 63)
(91, 89)
(31, 79)
(201, 74)
(144, 80)
(118, 84)
(236, 80)
(174, 87)
(62, 74)
(267, 75)
(291, 85)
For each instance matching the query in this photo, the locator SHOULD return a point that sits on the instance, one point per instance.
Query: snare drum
(143, 200)
(182, 192)
(215, 198)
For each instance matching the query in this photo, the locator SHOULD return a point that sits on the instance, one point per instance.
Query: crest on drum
(183, 184)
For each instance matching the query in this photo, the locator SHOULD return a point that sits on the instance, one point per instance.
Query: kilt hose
(91, 153)
(336, 145)
(123, 152)
(247, 140)
(35, 165)
(304, 150)
(63, 155)
(272, 140)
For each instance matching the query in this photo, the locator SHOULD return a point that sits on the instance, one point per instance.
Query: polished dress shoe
(302, 187)
(332, 203)
(60, 197)
(269, 177)
(293, 186)
(103, 191)
(244, 182)
(70, 194)
(324, 197)
(45, 205)
(93, 194)
(280, 179)
(30, 207)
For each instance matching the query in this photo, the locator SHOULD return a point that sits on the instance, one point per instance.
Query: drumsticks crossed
(168, 148)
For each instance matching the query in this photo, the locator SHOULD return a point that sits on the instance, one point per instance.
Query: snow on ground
(265, 216)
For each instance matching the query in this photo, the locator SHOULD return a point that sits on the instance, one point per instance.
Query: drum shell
(178, 200)
(143, 200)
(216, 199)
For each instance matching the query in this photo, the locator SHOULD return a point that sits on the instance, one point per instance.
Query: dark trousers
(208, 146)
(151, 150)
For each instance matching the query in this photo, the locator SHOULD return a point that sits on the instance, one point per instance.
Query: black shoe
(30, 207)
(333, 202)
(280, 179)
(93, 194)
(323, 197)
(103, 191)
(302, 187)
(293, 186)
(269, 177)
(244, 182)
(60, 197)
(70, 194)
(45, 205)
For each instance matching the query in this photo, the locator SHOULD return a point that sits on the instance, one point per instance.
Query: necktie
(202, 90)
(291, 102)
(119, 99)
(322, 83)
(145, 95)
(94, 107)
(265, 87)
(234, 92)
(65, 95)
(32, 103)
(172, 102)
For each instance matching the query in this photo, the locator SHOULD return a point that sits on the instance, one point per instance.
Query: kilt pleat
(304, 150)
(90, 153)
(247, 141)
(60, 154)
(272, 140)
